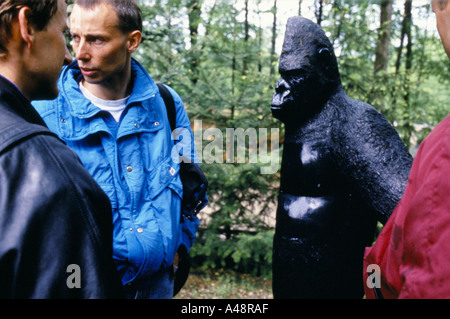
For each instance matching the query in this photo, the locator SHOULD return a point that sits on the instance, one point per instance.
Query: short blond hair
(128, 11)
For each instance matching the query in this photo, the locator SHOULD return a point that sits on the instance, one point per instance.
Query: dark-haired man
(111, 113)
(55, 232)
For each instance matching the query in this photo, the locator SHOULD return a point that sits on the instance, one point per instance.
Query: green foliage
(237, 234)
(246, 252)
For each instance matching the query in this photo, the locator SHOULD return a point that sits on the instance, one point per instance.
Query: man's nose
(81, 52)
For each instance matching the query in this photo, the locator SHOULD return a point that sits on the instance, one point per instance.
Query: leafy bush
(244, 252)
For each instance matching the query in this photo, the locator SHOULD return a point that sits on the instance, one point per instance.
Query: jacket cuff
(189, 231)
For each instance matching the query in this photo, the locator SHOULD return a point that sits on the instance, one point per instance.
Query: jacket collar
(13, 99)
(143, 88)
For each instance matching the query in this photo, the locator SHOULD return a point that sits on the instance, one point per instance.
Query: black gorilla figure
(344, 168)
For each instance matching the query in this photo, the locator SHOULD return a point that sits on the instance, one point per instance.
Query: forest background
(221, 57)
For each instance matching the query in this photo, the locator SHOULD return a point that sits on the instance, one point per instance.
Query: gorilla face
(308, 70)
(288, 88)
(299, 91)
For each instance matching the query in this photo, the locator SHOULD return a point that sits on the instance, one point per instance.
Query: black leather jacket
(52, 213)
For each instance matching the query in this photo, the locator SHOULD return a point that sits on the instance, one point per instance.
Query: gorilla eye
(296, 80)
(324, 52)
(294, 77)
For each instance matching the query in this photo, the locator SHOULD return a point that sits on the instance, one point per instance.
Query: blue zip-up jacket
(132, 162)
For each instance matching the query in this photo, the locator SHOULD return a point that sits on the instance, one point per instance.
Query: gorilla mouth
(280, 101)
(276, 107)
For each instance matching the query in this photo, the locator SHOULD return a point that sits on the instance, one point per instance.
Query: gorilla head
(308, 69)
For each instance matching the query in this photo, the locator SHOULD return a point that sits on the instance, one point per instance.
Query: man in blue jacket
(111, 113)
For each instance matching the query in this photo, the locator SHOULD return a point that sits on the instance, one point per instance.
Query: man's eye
(95, 40)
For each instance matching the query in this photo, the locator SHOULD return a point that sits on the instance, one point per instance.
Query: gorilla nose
(281, 86)
(282, 90)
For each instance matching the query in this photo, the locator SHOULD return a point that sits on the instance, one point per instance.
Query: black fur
(344, 168)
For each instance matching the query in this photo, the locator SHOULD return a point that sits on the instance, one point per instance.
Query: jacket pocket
(164, 197)
(163, 176)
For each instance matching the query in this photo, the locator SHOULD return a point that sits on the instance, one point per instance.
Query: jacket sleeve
(189, 228)
(184, 138)
(424, 218)
(413, 248)
(56, 236)
(188, 149)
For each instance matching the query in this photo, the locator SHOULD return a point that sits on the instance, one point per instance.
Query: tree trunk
(274, 39)
(260, 36)
(233, 63)
(408, 63)
(406, 31)
(408, 17)
(246, 37)
(382, 48)
(319, 11)
(194, 13)
(384, 37)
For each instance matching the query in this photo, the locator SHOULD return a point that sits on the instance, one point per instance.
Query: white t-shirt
(115, 107)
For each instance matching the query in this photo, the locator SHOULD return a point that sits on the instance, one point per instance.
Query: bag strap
(170, 104)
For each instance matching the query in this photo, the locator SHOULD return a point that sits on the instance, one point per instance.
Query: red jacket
(413, 249)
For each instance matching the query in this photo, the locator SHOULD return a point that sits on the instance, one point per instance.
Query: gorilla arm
(371, 153)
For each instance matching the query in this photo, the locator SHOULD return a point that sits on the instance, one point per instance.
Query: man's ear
(27, 32)
(134, 40)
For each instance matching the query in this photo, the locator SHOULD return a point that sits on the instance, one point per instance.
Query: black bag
(194, 199)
